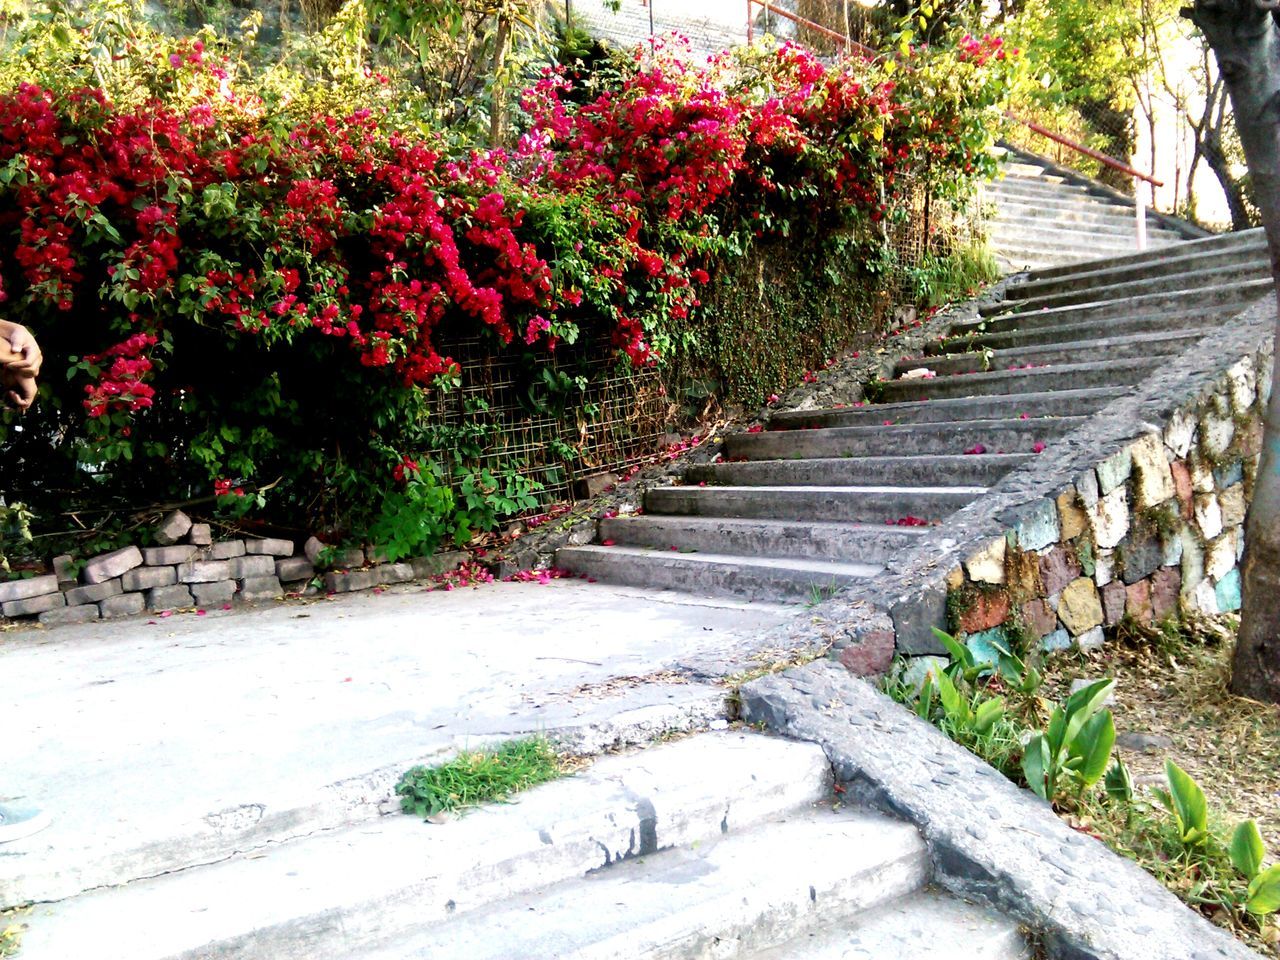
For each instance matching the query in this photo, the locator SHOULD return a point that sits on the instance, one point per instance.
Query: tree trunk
(498, 94)
(1246, 41)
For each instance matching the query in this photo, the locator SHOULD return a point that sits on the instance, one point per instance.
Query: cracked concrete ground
(157, 745)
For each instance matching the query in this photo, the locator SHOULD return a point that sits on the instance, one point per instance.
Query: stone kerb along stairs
(824, 499)
(726, 845)
(1046, 217)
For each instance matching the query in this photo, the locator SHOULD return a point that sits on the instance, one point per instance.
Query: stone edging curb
(990, 841)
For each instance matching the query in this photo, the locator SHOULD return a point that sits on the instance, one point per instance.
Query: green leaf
(1095, 743)
(1081, 706)
(1189, 805)
(958, 651)
(924, 706)
(1035, 765)
(952, 702)
(1264, 892)
(1119, 782)
(1247, 849)
(987, 715)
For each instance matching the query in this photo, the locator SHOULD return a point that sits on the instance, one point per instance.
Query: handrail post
(1141, 207)
(750, 38)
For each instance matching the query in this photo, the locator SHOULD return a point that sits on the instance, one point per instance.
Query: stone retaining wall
(188, 568)
(1157, 524)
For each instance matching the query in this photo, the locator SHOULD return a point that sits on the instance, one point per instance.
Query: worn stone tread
(927, 926)
(872, 543)
(747, 892)
(947, 469)
(1056, 403)
(326, 895)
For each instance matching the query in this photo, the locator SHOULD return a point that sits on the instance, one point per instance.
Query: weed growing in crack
(476, 777)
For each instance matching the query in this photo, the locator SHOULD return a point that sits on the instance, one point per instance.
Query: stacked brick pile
(187, 568)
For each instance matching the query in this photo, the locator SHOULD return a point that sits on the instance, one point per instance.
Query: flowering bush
(247, 298)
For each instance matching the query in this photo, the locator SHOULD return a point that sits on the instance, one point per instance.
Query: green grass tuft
(476, 777)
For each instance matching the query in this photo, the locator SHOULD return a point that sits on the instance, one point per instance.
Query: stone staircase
(1043, 220)
(726, 845)
(822, 499)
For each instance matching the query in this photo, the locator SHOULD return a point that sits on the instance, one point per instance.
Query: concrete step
(727, 899)
(1036, 187)
(913, 439)
(1010, 208)
(927, 926)
(327, 896)
(915, 471)
(1065, 376)
(834, 504)
(1022, 170)
(1058, 404)
(1012, 224)
(1164, 343)
(1202, 320)
(1026, 258)
(1173, 262)
(1063, 244)
(1239, 273)
(715, 574)
(1210, 297)
(873, 544)
(1226, 241)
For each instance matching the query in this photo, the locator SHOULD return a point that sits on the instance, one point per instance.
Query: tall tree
(1245, 38)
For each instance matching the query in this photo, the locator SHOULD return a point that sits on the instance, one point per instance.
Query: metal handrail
(1098, 155)
(808, 24)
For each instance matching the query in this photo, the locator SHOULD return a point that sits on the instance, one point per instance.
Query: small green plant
(1073, 753)
(476, 777)
(821, 593)
(1247, 852)
(1186, 802)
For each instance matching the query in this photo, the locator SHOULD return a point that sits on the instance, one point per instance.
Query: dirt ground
(1172, 701)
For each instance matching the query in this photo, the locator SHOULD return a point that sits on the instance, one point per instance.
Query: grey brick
(31, 605)
(122, 605)
(256, 566)
(93, 592)
(82, 613)
(426, 567)
(168, 598)
(26, 589)
(144, 578)
(312, 548)
(218, 591)
(347, 582)
(260, 588)
(200, 534)
(294, 568)
(224, 550)
(173, 528)
(203, 571)
(111, 565)
(167, 556)
(394, 572)
(270, 547)
(346, 559)
(64, 568)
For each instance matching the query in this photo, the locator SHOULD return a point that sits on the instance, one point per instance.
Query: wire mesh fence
(555, 420)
